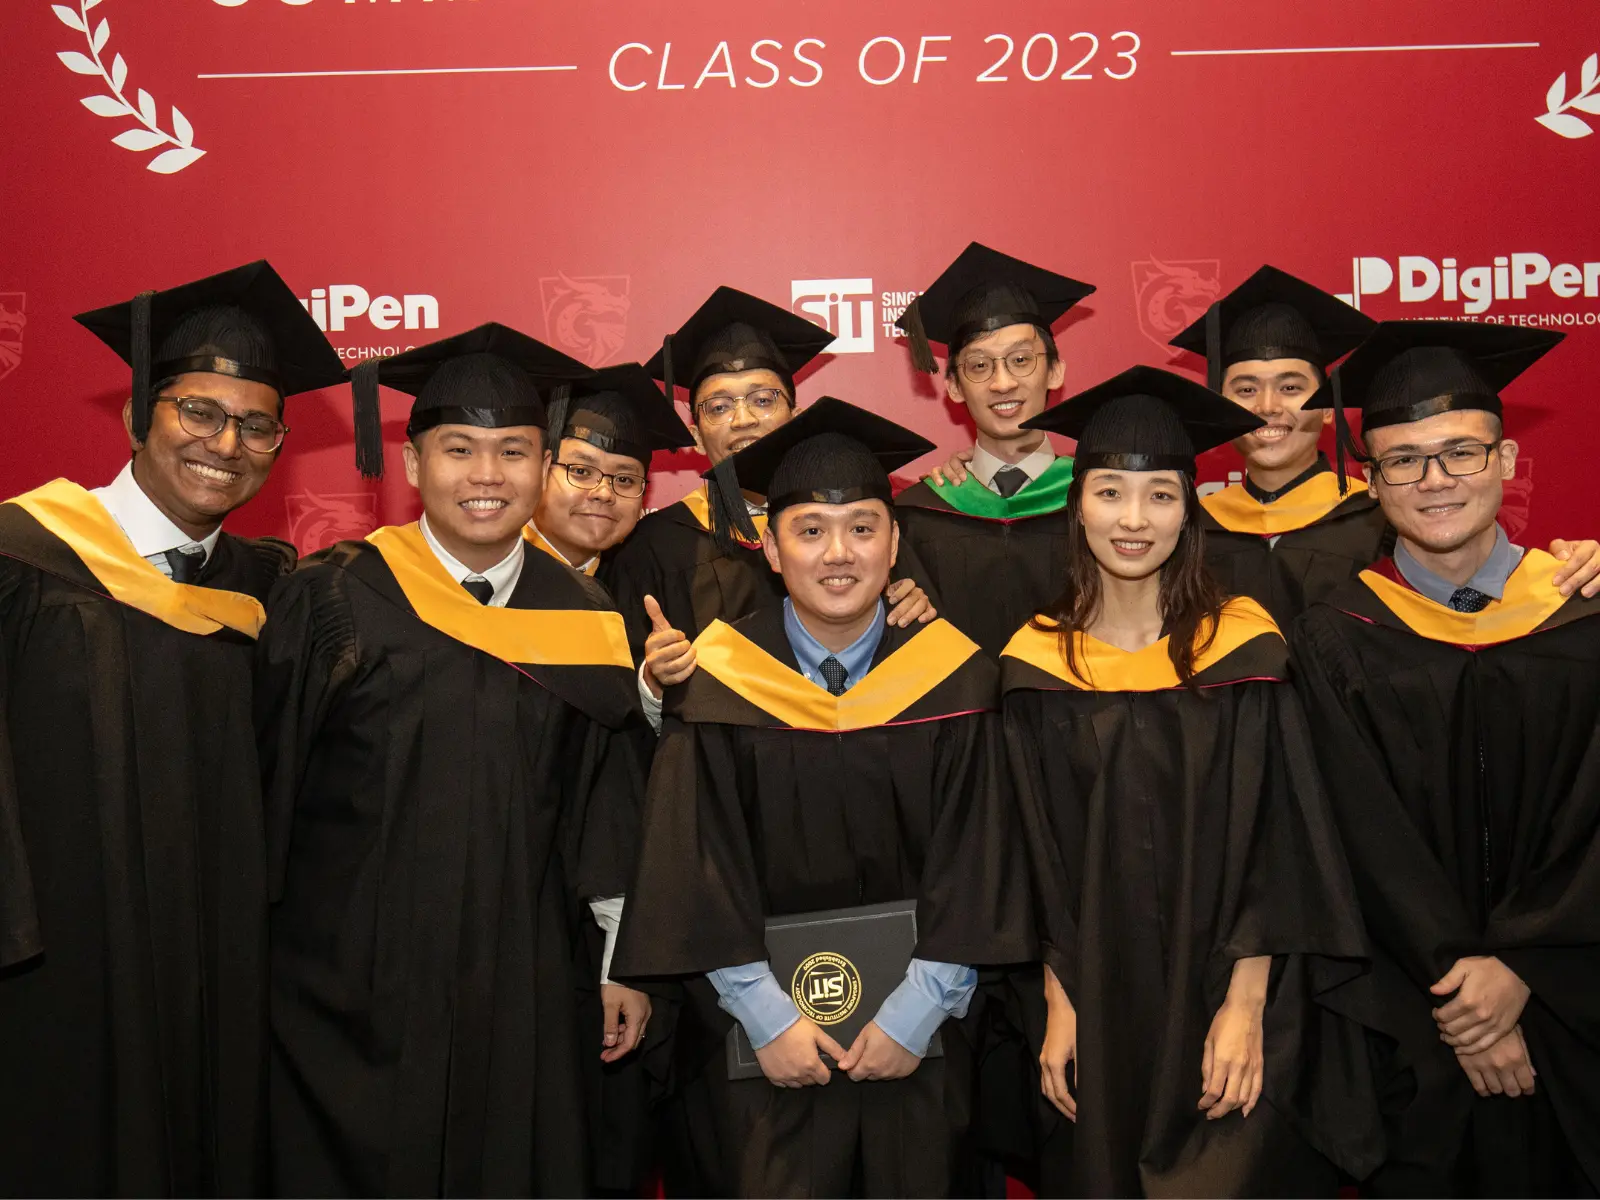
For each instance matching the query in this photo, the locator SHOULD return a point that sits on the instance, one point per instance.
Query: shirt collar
(856, 658)
(1490, 579)
(503, 575)
(147, 527)
(985, 464)
(1261, 495)
(551, 546)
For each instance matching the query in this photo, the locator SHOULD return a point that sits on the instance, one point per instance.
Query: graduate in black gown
(699, 560)
(445, 788)
(132, 885)
(1295, 528)
(820, 758)
(1454, 694)
(1193, 901)
(989, 543)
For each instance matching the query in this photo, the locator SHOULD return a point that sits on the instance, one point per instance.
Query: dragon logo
(586, 316)
(318, 521)
(1170, 296)
(12, 321)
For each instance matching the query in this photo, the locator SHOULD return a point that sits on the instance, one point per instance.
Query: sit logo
(841, 306)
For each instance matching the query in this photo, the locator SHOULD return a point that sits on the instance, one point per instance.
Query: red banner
(590, 172)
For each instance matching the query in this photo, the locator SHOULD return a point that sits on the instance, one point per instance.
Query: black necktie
(481, 589)
(185, 564)
(833, 671)
(1008, 481)
(1469, 600)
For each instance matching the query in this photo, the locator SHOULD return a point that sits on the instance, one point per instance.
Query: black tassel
(921, 351)
(667, 381)
(368, 418)
(730, 515)
(1214, 347)
(555, 413)
(1341, 434)
(142, 352)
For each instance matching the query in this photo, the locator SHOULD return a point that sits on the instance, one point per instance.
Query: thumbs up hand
(668, 654)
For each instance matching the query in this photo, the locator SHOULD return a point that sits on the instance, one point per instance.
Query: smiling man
(822, 759)
(594, 491)
(437, 709)
(1453, 692)
(992, 544)
(132, 893)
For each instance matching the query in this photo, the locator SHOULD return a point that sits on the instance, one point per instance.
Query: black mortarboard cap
(1274, 315)
(245, 323)
(984, 290)
(621, 411)
(734, 331)
(492, 376)
(831, 453)
(1145, 419)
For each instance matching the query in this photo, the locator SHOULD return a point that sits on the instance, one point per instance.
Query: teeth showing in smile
(1006, 408)
(214, 474)
(1272, 433)
(483, 505)
(838, 580)
(1129, 546)
(1437, 509)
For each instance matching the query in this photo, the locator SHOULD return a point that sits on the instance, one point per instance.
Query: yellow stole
(699, 504)
(1530, 600)
(534, 537)
(1111, 669)
(534, 636)
(891, 687)
(82, 522)
(1237, 510)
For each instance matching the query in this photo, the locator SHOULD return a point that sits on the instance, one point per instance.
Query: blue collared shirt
(930, 992)
(1490, 579)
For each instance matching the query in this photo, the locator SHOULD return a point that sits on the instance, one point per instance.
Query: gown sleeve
(20, 937)
(605, 805)
(631, 573)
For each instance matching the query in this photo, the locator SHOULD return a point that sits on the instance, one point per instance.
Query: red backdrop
(402, 166)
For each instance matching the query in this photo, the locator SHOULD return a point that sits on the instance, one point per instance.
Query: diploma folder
(838, 966)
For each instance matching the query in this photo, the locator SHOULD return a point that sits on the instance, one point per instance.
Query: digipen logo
(1169, 295)
(331, 307)
(12, 321)
(1476, 287)
(841, 306)
(586, 315)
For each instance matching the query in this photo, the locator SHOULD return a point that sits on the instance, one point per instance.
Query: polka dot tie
(833, 671)
(1468, 600)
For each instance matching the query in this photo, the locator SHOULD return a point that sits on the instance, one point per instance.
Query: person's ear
(134, 444)
(952, 388)
(1508, 458)
(1366, 470)
(1327, 417)
(894, 542)
(413, 461)
(694, 432)
(1058, 375)
(769, 547)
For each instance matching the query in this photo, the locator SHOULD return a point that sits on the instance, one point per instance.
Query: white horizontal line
(393, 71)
(1360, 49)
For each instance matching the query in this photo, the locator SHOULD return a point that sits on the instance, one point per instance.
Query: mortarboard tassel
(1341, 434)
(730, 516)
(1214, 347)
(667, 382)
(368, 418)
(921, 351)
(556, 415)
(142, 351)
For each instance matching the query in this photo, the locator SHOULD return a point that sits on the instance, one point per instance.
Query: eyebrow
(1027, 343)
(1278, 378)
(1443, 444)
(249, 412)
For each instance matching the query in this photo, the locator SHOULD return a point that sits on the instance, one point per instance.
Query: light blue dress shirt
(1490, 579)
(930, 992)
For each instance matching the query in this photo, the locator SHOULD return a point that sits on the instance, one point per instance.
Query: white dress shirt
(148, 528)
(503, 575)
(984, 465)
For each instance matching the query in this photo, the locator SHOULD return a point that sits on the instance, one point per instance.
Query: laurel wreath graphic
(183, 151)
(1557, 118)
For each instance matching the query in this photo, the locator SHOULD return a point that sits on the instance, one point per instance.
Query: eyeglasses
(977, 368)
(206, 419)
(1464, 458)
(719, 410)
(587, 478)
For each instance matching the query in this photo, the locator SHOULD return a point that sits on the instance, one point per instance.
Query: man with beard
(132, 890)
(1452, 690)
(444, 790)
(594, 492)
(1295, 529)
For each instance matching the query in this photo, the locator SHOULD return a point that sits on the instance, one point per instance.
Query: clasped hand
(793, 1058)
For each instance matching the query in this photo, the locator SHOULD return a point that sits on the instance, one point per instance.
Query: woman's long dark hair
(1190, 599)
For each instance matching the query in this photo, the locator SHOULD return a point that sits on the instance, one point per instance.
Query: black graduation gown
(672, 556)
(1172, 832)
(1462, 752)
(1323, 540)
(987, 576)
(799, 803)
(436, 814)
(132, 869)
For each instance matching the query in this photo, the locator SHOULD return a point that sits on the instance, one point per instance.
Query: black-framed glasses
(206, 419)
(1464, 458)
(586, 478)
(719, 410)
(979, 368)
